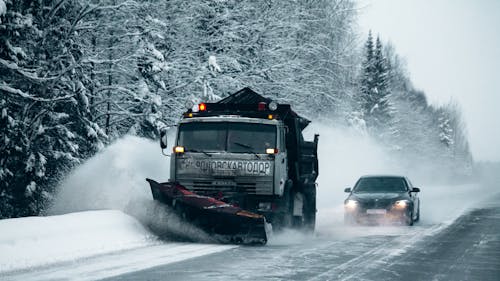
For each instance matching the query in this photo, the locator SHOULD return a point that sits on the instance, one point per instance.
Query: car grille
(376, 204)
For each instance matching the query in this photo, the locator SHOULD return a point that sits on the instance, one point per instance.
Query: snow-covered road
(467, 248)
(110, 244)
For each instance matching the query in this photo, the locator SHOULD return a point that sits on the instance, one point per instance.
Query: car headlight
(351, 204)
(401, 204)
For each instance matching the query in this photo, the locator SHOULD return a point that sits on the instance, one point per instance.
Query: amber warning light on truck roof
(202, 107)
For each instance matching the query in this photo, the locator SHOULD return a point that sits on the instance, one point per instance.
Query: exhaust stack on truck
(239, 163)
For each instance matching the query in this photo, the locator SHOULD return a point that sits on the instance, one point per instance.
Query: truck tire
(281, 221)
(310, 208)
(284, 218)
(297, 210)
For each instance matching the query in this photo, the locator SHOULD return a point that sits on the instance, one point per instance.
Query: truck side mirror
(347, 190)
(415, 189)
(163, 138)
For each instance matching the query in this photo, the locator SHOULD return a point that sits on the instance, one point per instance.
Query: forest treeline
(75, 75)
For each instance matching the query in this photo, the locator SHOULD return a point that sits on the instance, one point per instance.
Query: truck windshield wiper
(248, 147)
(200, 151)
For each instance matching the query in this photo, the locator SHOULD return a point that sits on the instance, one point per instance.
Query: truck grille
(257, 186)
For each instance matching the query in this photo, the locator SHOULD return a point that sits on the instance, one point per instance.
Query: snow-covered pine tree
(375, 99)
(116, 35)
(151, 65)
(383, 113)
(453, 139)
(367, 83)
(41, 101)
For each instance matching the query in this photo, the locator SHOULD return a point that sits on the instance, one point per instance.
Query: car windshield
(232, 137)
(380, 184)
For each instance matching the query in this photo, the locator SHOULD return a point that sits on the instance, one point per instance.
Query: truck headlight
(273, 105)
(271, 150)
(351, 204)
(178, 149)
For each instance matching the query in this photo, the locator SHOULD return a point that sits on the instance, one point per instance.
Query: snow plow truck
(240, 164)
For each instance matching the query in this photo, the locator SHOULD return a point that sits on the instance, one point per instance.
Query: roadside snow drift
(86, 246)
(36, 241)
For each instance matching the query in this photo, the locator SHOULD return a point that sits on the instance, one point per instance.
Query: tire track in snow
(378, 256)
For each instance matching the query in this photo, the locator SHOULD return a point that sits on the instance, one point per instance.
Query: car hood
(378, 195)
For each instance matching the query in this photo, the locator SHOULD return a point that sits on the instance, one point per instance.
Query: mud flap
(226, 223)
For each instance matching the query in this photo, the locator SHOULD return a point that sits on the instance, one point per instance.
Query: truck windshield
(227, 136)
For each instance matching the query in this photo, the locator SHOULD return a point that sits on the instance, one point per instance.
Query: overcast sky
(452, 49)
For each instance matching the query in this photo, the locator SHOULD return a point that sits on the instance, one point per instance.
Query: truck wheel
(281, 221)
(310, 209)
(297, 222)
(298, 203)
(284, 218)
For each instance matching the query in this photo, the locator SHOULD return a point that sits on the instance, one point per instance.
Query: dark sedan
(382, 199)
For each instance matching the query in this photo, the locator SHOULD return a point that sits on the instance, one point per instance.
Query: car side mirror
(163, 139)
(415, 189)
(347, 190)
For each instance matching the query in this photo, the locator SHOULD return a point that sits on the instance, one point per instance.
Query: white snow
(212, 63)
(81, 244)
(114, 178)
(35, 241)
(30, 188)
(156, 54)
(3, 9)
(85, 246)
(82, 96)
(41, 130)
(11, 121)
(91, 133)
(30, 163)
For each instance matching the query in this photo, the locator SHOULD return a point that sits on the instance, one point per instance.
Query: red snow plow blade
(226, 223)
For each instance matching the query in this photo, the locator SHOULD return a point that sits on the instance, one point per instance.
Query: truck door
(281, 163)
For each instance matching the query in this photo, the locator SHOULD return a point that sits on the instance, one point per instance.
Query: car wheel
(418, 213)
(349, 219)
(409, 219)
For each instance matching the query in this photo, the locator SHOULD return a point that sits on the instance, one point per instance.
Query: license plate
(223, 183)
(376, 211)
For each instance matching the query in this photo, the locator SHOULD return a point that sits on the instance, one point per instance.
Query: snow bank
(36, 241)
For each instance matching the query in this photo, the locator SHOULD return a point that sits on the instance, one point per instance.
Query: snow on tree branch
(4, 87)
